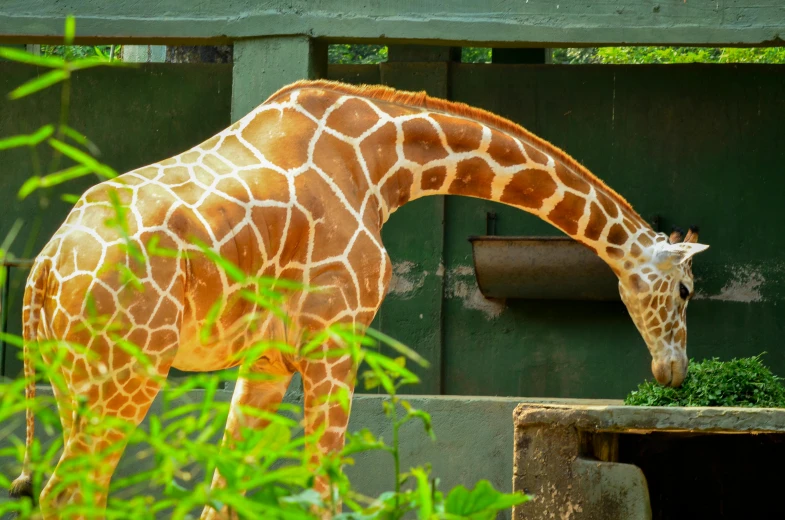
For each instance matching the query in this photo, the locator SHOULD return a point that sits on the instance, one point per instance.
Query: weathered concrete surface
(567, 455)
(643, 419)
(492, 23)
(474, 439)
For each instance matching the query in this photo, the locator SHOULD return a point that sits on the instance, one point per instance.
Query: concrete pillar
(571, 470)
(264, 65)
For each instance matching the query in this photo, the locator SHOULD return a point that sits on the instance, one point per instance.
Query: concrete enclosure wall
(690, 144)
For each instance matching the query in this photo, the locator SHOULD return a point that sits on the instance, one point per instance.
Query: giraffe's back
(272, 194)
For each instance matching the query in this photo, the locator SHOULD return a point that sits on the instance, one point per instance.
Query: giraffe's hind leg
(97, 439)
(262, 388)
(102, 401)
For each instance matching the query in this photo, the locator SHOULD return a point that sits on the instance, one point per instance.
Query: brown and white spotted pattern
(299, 189)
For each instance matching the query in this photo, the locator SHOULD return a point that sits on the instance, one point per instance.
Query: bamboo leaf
(15, 141)
(70, 30)
(89, 63)
(231, 269)
(21, 56)
(27, 139)
(69, 198)
(80, 138)
(29, 186)
(397, 345)
(53, 179)
(39, 83)
(83, 158)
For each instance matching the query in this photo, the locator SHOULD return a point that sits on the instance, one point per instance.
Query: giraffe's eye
(683, 291)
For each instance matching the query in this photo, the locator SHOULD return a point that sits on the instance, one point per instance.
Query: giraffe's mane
(423, 100)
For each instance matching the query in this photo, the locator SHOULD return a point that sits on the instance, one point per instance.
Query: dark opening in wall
(713, 476)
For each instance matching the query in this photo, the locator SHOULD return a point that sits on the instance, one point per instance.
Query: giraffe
(299, 189)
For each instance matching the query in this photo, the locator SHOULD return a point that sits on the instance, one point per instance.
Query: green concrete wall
(695, 144)
(135, 116)
(690, 143)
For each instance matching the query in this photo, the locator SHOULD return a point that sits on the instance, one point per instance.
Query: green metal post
(263, 65)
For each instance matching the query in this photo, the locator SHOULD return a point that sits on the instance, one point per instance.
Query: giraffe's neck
(410, 146)
(474, 159)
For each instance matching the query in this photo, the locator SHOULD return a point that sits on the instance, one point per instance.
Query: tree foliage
(356, 54)
(364, 54)
(664, 55)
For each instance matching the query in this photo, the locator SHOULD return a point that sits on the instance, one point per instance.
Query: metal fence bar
(4, 316)
(7, 265)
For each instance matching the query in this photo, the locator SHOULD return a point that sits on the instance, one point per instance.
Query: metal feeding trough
(541, 268)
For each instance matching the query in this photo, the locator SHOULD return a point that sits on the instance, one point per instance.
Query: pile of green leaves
(744, 382)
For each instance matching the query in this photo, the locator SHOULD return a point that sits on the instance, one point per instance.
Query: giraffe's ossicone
(299, 190)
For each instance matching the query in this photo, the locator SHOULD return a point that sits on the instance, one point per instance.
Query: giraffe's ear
(676, 254)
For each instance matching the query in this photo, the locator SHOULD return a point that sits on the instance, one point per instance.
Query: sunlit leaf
(424, 496)
(398, 346)
(80, 138)
(232, 270)
(155, 250)
(69, 31)
(39, 83)
(21, 56)
(481, 503)
(82, 158)
(70, 198)
(74, 172)
(11, 236)
(28, 139)
(28, 187)
(206, 331)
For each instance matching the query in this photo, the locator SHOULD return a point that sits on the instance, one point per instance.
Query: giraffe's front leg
(323, 380)
(263, 388)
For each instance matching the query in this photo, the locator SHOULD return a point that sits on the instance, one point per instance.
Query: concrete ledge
(645, 419)
(491, 23)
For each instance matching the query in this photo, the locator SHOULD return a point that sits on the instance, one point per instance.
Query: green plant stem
(396, 455)
(65, 103)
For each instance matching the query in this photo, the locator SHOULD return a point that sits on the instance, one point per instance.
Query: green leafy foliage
(82, 51)
(481, 503)
(663, 55)
(476, 55)
(744, 382)
(365, 54)
(356, 54)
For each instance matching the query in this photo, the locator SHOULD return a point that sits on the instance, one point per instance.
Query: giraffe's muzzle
(670, 372)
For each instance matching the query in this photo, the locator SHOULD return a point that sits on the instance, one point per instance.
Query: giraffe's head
(656, 293)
